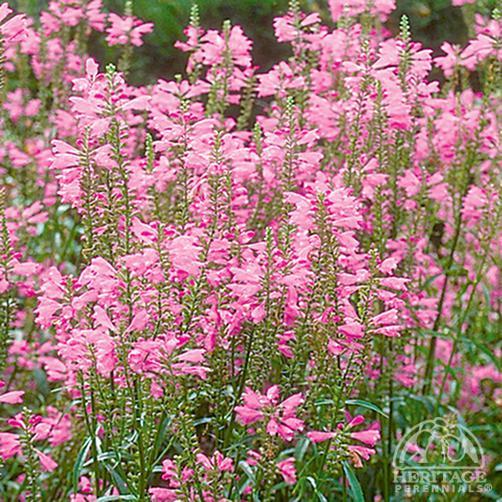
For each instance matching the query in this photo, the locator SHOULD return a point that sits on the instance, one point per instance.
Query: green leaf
(202, 421)
(426, 401)
(313, 483)
(249, 472)
(368, 405)
(107, 455)
(483, 348)
(79, 462)
(322, 498)
(301, 448)
(311, 480)
(246, 483)
(324, 402)
(117, 477)
(355, 487)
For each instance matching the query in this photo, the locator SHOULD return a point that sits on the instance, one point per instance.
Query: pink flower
(474, 203)
(169, 470)
(287, 470)
(388, 265)
(213, 47)
(359, 453)
(281, 417)
(486, 44)
(450, 61)
(251, 411)
(319, 436)
(369, 437)
(13, 397)
(9, 445)
(380, 8)
(189, 244)
(124, 30)
(14, 29)
(163, 495)
(352, 329)
(278, 81)
(47, 463)
(287, 28)
(217, 462)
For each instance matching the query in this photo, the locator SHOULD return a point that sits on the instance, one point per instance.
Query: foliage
(245, 282)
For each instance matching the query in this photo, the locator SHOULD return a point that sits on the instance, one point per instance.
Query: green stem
(429, 368)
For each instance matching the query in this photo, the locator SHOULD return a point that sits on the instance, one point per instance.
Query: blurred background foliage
(432, 22)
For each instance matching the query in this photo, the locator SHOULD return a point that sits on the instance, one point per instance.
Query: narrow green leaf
(202, 421)
(368, 405)
(313, 483)
(118, 478)
(79, 462)
(355, 487)
(301, 448)
(249, 472)
(483, 348)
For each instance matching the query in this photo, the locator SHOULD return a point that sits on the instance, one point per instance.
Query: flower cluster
(238, 284)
